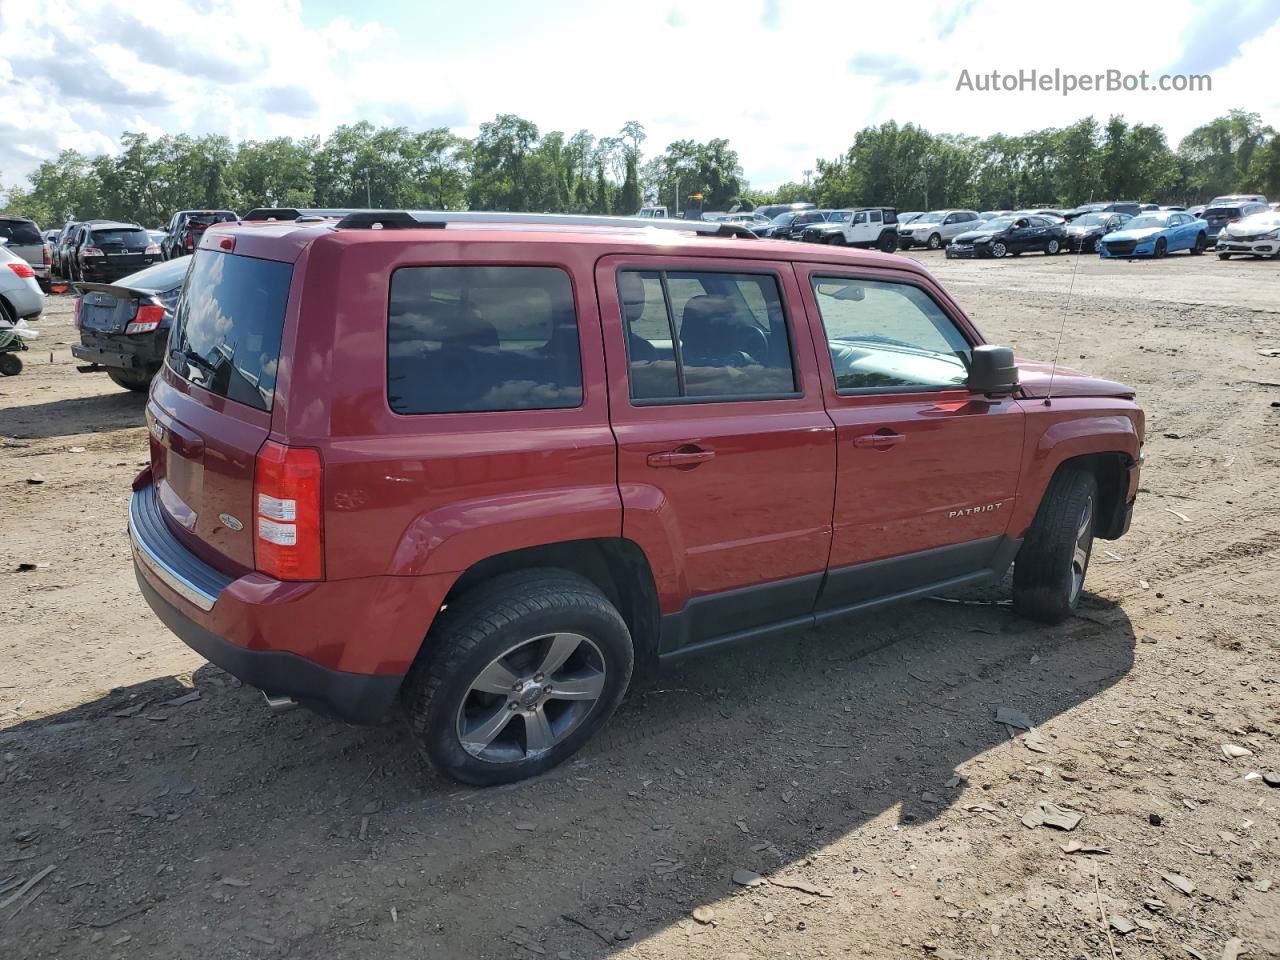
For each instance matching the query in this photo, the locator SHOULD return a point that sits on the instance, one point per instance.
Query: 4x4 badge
(229, 521)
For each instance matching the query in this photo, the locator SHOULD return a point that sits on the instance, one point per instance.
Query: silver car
(20, 295)
(25, 239)
(937, 228)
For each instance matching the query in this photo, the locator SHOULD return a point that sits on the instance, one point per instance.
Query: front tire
(517, 675)
(1162, 248)
(1051, 248)
(1048, 576)
(935, 242)
(998, 250)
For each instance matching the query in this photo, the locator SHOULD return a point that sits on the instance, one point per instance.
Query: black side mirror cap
(993, 371)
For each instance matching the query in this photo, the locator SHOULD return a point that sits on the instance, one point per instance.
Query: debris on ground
(1047, 814)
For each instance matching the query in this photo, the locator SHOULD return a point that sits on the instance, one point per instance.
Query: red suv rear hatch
(210, 411)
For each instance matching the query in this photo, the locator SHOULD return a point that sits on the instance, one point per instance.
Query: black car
(789, 226)
(124, 326)
(182, 235)
(102, 251)
(1085, 230)
(1010, 236)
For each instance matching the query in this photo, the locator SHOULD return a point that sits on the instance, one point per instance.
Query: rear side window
(226, 332)
(482, 338)
(20, 232)
(705, 336)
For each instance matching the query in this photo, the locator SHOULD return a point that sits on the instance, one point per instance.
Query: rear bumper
(287, 639)
(145, 355)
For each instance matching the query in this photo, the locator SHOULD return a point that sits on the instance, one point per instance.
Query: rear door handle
(684, 457)
(879, 441)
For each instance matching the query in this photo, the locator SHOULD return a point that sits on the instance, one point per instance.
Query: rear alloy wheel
(935, 242)
(135, 380)
(1051, 248)
(1048, 576)
(517, 676)
(1162, 248)
(1202, 244)
(998, 250)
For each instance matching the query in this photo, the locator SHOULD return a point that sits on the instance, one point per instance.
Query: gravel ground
(162, 812)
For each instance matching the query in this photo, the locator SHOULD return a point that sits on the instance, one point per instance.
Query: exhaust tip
(278, 704)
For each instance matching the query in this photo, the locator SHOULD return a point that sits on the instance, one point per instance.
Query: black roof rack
(417, 219)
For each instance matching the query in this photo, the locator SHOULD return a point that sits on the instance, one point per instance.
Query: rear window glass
(159, 278)
(226, 332)
(1222, 212)
(127, 238)
(477, 338)
(208, 218)
(20, 231)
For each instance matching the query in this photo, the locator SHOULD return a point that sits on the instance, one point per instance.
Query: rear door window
(20, 232)
(226, 332)
(482, 338)
(705, 336)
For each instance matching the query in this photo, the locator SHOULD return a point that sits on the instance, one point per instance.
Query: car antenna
(1053, 371)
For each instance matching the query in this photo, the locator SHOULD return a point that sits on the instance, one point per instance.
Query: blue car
(1156, 233)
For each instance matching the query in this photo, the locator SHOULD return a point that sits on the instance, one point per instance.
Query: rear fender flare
(651, 522)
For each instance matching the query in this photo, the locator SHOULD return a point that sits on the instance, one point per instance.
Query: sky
(785, 81)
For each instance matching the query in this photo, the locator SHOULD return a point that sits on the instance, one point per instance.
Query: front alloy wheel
(1051, 248)
(998, 249)
(1049, 573)
(935, 242)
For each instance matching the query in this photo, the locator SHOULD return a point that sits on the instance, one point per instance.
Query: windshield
(928, 218)
(1092, 220)
(998, 224)
(1146, 221)
(160, 278)
(226, 333)
(784, 218)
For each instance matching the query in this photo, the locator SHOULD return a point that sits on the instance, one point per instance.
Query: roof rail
(408, 219)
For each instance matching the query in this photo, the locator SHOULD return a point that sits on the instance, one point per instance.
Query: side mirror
(992, 371)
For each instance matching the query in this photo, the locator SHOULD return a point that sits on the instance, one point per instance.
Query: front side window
(482, 338)
(889, 336)
(705, 336)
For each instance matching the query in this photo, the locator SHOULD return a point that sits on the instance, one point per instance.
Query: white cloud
(785, 82)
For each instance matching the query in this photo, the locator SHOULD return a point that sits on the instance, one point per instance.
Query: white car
(937, 228)
(1258, 236)
(20, 295)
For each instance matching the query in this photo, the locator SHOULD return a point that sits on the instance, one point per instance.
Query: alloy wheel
(1083, 547)
(531, 698)
(998, 250)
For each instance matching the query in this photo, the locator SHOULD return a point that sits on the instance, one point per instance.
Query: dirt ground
(857, 768)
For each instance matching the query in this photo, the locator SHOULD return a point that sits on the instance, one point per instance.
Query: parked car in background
(862, 227)
(752, 221)
(103, 251)
(1131, 207)
(24, 239)
(1010, 236)
(782, 225)
(1174, 207)
(1257, 235)
(771, 210)
(157, 236)
(1218, 215)
(124, 326)
(1084, 232)
(937, 228)
(1196, 211)
(1042, 212)
(20, 299)
(1236, 199)
(994, 214)
(909, 216)
(183, 233)
(1155, 234)
(323, 536)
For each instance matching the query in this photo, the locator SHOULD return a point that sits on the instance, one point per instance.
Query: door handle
(879, 441)
(684, 457)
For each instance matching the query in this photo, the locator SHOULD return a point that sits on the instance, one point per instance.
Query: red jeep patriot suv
(484, 465)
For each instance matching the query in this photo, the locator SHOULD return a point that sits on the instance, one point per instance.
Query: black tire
(1201, 245)
(935, 242)
(136, 380)
(501, 617)
(888, 242)
(1162, 249)
(1224, 256)
(10, 364)
(1052, 248)
(1048, 576)
(904, 244)
(836, 240)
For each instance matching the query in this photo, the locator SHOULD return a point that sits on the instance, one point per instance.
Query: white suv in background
(937, 228)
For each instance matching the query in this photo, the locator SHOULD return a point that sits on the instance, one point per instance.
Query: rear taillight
(22, 269)
(145, 320)
(286, 507)
(191, 245)
(153, 248)
(91, 252)
(48, 259)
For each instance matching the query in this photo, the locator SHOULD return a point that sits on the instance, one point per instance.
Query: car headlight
(1273, 235)
(984, 238)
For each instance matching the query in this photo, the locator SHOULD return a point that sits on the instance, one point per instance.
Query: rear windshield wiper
(193, 359)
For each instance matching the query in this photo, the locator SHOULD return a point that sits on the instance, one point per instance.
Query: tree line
(511, 165)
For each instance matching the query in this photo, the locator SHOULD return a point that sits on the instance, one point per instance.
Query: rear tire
(888, 242)
(470, 677)
(10, 364)
(1048, 576)
(1201, 245)
(136, 380)
(1051, 248)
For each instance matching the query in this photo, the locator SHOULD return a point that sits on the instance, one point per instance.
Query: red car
(484, 466)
